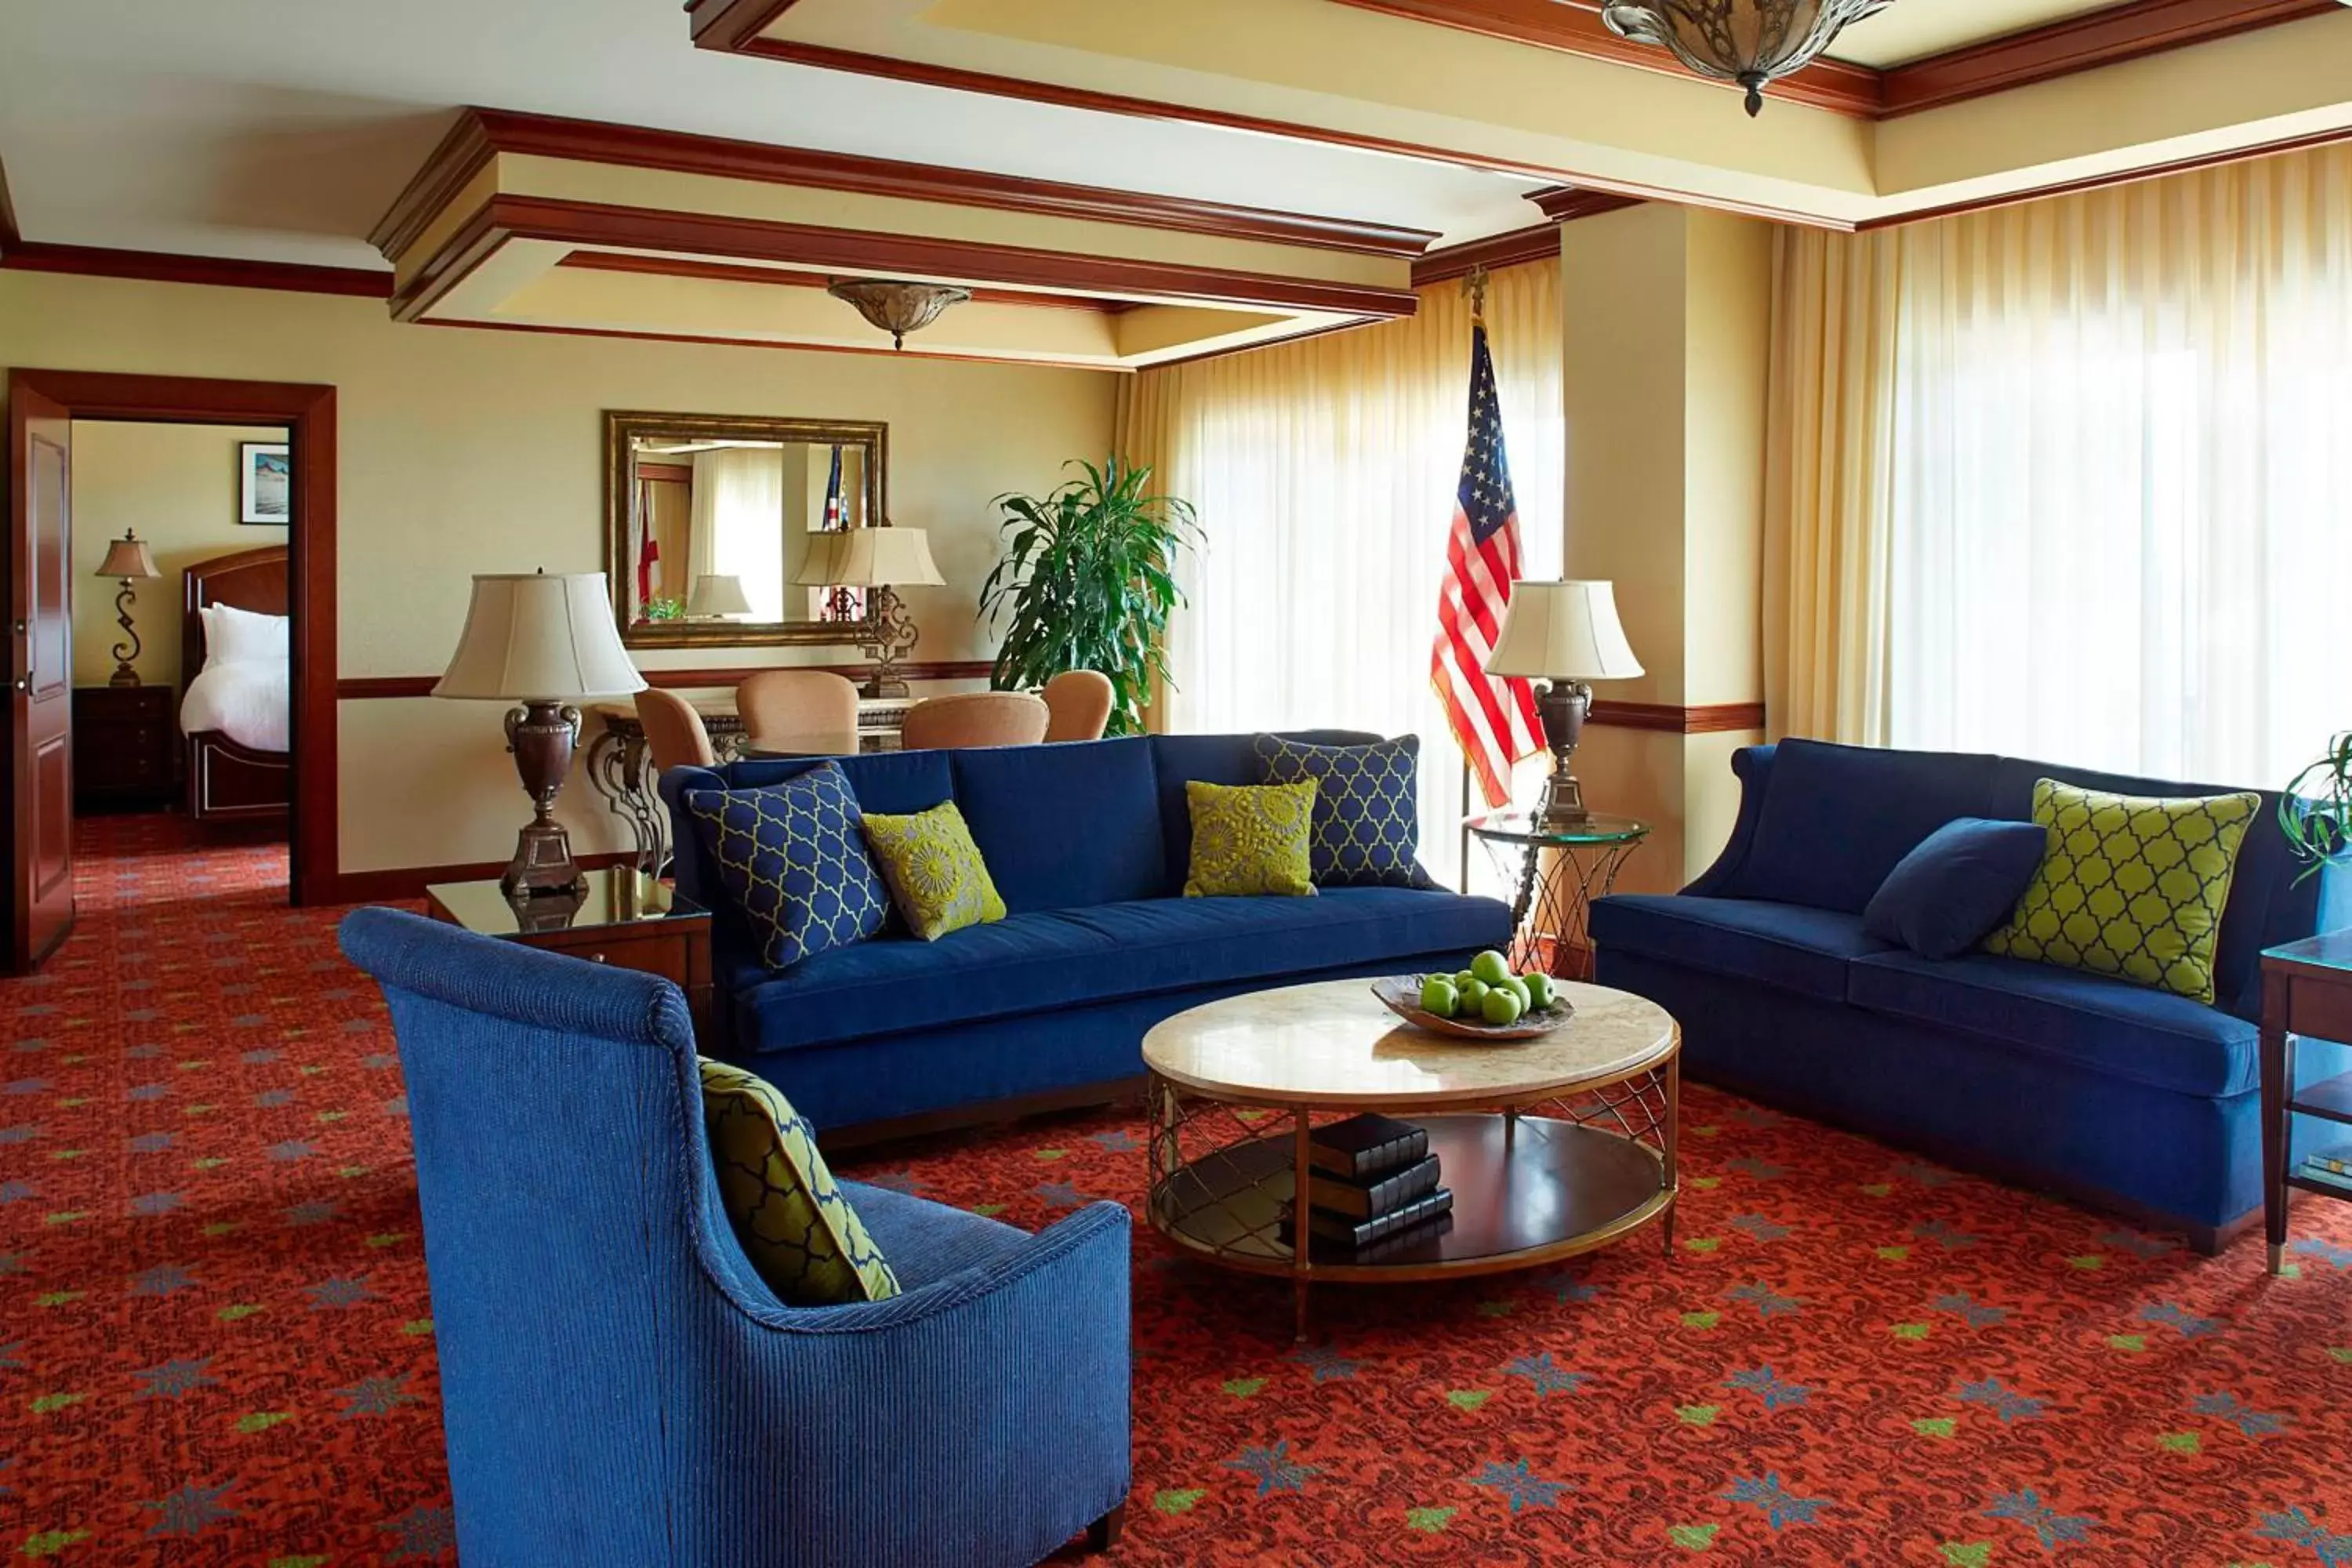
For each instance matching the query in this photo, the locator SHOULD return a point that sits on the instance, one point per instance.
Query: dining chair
(1080, 702)
(975, 719)
(797, 702)
(675, 733)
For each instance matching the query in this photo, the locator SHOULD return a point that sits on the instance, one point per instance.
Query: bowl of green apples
(1484, 1001)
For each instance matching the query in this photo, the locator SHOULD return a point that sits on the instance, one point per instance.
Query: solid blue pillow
(1367, 823)
(1962, 880)
(793, 856)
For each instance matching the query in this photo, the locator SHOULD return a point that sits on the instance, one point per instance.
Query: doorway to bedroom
(164, 530)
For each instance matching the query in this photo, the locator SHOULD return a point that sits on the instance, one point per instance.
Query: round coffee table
(1552, 1146)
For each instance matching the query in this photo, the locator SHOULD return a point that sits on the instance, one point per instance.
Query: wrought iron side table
(1552, 903)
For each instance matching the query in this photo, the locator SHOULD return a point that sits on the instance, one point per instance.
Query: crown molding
(217, 271)
(1518, 247)
(480, 134)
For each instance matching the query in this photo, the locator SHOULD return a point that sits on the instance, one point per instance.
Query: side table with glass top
(1556, 870)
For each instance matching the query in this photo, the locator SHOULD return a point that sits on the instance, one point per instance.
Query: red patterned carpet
(216, 1345)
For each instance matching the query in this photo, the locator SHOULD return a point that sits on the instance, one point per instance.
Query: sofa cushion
(792, 861)
(937, 881)
(1963, 881)
(794, 1222)
(1067, 825)
(1836, 819)
(1059, 959)
(2106, 1025)
(1250, 840)
(900, 783)
(1790, 946)
(1177, 759)
(2129, 886)
(1367, 808)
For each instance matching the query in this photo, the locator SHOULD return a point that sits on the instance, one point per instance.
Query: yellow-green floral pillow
(795, 1225)
(1249, 839)
(2129, 886)
(934, 870)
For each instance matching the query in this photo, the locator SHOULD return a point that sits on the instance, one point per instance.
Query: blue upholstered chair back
(1822, 825)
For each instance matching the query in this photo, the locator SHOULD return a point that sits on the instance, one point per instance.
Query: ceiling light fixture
(897, 308)
(1750, 42)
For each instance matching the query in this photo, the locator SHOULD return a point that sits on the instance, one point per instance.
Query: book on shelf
(2310, 1170)
(1359, 1234)
(1366, 1146)
(2338, 1159)
(1380, 1195)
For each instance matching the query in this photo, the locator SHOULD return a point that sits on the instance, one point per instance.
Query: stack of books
(1373, 1186)
(2331, 1169)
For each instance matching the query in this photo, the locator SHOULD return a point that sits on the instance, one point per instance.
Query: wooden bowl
(1400, 995)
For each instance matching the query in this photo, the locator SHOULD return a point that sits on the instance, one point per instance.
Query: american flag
(1494, 721)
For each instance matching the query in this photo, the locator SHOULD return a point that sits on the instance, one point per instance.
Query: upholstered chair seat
(1080, 702)
(975, 719)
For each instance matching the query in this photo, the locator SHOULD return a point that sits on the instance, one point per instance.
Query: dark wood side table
(625, 919)
(2306, 990)
(126, 747)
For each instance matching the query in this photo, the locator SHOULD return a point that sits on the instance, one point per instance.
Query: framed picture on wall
(265, 483)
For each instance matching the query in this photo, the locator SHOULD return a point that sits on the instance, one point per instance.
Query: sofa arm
(1753, 767)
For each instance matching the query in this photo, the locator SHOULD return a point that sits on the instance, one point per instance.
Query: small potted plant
(2316, 811)
(1088, 581)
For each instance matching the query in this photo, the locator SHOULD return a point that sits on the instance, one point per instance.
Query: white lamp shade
(1563, 631)
(870, 557)
(539, 638)
(717, 595)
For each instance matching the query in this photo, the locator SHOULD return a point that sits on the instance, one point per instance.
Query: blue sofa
(619, 1386)
(1087, 842)
(2123, 1096)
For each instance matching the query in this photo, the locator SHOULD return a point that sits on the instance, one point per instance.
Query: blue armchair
(618, 1385)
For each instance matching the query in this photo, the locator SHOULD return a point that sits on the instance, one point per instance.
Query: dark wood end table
(623, 918)
(2306, 990)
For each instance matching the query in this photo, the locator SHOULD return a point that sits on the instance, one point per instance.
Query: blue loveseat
(2114, 1094)
(1087, 842)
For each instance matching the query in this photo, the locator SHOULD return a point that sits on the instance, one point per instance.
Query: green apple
(1501, 1005)
(1517, 987)
(1491, 967)
(1438, 996)
(1464, 978)
(1540, 990)
(1473, 996)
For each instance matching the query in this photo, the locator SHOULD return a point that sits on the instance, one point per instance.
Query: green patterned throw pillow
(1251, 839)
(2129, 886)
(934, 870)
(795, 1225)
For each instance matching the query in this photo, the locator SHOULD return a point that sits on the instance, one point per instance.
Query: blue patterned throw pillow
(1367, 822)
(793, 856)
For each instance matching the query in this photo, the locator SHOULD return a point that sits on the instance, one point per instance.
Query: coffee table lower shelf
(1528, 1190)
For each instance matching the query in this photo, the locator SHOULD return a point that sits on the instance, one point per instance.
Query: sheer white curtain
(1324, 474)
(2122, 509)
(739, 525)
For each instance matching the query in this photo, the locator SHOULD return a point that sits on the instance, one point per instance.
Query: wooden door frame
(308, 413)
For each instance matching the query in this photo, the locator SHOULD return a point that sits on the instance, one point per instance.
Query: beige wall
(1663, 372)
(466, 451)
(177, 485)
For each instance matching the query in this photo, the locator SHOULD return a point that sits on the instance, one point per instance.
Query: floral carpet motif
(216, 1345)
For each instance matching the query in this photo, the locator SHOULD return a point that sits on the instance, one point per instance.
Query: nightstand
(126, 747)
(624, 919)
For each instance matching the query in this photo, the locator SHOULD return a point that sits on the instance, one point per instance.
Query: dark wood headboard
(250, 580)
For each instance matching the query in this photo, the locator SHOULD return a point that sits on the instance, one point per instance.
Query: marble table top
(1332, 1043)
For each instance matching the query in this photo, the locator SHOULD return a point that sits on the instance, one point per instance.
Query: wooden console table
(2306, 990)
(621, 774)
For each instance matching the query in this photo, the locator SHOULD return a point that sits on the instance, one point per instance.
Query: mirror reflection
(715, 518)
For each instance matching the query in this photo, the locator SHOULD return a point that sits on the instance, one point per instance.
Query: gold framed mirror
(709, 516)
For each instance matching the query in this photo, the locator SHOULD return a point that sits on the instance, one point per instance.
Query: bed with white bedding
(234, 708)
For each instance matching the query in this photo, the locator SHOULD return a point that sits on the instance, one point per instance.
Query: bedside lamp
(1564, 634)
(876, 558)
(717, 596)
(127, 558)
(547, 643)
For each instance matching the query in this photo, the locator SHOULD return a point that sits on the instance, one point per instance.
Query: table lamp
(547, 643)
(717, 596)
(876, 558)
(127, 558)
(1564, 635)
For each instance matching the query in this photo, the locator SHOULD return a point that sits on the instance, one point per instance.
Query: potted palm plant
(2316, 811)
(1088, 581)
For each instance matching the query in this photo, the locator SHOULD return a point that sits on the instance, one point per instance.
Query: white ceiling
(259, 129)
(1912, 29)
